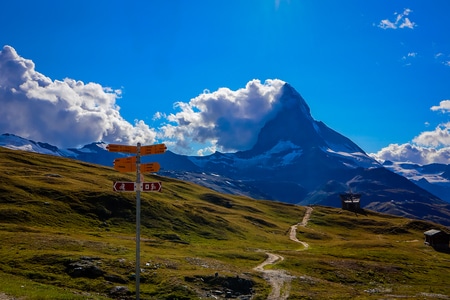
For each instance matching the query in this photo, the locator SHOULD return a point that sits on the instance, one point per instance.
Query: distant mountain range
(299, 160)
(434, 178)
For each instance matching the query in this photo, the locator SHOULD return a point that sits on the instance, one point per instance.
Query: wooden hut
(350, 201)
(436, 239)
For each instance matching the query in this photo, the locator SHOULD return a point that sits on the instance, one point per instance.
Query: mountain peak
(293, 123)
(291, 99)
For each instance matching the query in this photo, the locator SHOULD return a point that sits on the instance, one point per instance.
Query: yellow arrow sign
(153, 149)
(121, 148)
(125, 160)
(124, 168)
(150, 167)
(125, 164)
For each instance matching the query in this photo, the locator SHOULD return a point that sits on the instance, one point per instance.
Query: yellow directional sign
(153, 149)
(125, 164)
(124, 168)
(121, 148)
(150, 167)
(125, 160)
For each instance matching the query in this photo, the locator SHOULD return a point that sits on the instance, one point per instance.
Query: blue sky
(371, 70)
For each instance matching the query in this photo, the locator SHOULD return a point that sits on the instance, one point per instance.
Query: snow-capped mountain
(15, 142)
(93, 153)
(295, 159)
(434, 178)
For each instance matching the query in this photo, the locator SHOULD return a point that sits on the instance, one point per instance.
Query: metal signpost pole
(138, 219)
(126, 164)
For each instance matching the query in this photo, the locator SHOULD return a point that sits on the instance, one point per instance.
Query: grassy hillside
(66, 235)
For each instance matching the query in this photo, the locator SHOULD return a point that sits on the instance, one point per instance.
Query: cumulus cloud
(428, 147)
(414, 154)
(65, 113)
(70, 113)
(401, 21)
(439, 137)
(444, 106)
(225, 120)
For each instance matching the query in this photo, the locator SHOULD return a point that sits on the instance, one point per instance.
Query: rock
(119, 291)
(115, 278)
(85, 267)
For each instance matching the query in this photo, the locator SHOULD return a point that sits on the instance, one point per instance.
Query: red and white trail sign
(151, 187)
(124, 186)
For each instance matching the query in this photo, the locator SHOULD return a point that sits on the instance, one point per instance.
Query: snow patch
(359, 159)
(283, 146)
(288, 150)
(282, 154)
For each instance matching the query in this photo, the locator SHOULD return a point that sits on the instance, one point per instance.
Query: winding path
(280, 280)
(293, 230)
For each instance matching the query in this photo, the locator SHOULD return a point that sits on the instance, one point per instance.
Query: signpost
(133, 164)
(125, 160)
(125, 166)
(153, 149)
(123, 186)
(121, 148)
(151, 186)
(150, 167)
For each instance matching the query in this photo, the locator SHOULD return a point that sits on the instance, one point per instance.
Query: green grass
(56, 212)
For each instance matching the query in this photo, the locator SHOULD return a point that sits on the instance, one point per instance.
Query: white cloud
(386, 24)
(443, 106)
(225, 120)
(65, 113)
(414, 154)
(206, 151)
(442, 58)
(408, 57)
(407, 24)
(439, 137)
(428, 147)
(401, 21)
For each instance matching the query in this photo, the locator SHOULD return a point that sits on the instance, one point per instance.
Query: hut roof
(432, 232)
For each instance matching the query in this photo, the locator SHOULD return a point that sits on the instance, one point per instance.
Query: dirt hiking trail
(280, 280)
